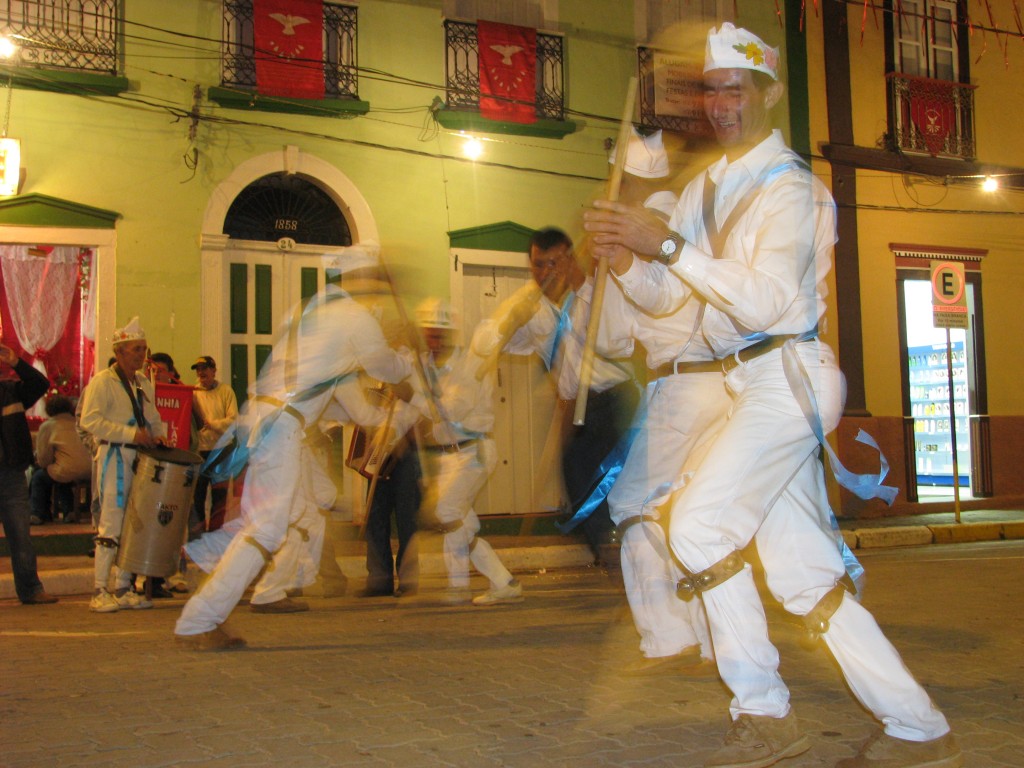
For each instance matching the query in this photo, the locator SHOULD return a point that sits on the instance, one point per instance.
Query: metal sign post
(949, 310)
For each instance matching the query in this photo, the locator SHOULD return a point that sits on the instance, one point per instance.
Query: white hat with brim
(731, 47)
(131, 332)
(645, 156)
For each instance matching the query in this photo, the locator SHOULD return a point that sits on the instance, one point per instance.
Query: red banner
(289, 48)
(934, 115)
(174, 401)
(508, 71)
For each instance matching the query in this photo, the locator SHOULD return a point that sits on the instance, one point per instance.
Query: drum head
(172, 455)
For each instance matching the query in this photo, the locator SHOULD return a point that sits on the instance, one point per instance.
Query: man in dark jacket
(17, 395)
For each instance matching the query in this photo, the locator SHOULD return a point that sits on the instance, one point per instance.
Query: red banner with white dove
(289, 48)
(508, 71)
(933, 112)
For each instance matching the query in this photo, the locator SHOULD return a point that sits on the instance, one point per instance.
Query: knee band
(818, 617)
(694, 583)
(449, 527)
(625, 525)
(102, 541)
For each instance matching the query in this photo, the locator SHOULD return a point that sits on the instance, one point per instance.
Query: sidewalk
(72, 574)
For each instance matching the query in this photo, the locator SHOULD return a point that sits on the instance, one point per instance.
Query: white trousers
(683, 414)
(459, 478)
(273, 480)
(766, 448)
(112, 461)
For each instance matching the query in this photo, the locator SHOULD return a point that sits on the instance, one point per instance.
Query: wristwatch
(670, 246)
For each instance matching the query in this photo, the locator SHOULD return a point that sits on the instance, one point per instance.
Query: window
(925, 39)
(75, 35)
(339, 30)
(463, 73)
(931, 104)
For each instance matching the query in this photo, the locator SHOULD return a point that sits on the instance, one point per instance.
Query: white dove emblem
(288, 22)
(506, 52)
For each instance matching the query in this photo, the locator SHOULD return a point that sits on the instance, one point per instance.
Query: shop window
(945, 409)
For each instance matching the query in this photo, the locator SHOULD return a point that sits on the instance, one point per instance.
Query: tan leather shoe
(284, 605)
(755, 741)
(214, 640)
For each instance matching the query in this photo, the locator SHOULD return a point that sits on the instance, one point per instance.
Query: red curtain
(508, 71)
(289, 48)
(64, 361)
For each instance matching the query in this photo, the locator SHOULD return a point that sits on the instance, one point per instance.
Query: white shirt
(335, 337)
(538, 335)
(218, 408)
(770, 276)
(107, 410)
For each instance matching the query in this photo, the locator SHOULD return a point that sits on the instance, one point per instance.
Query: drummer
(119, 411)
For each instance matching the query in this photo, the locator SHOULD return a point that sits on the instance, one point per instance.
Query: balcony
(931, 117)
(462, 85)
(238, 65)
(69, 35)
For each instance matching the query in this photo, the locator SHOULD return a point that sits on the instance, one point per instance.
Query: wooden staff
(421, 374)
(614, 182)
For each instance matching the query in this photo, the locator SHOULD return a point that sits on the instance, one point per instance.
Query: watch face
(668, 246)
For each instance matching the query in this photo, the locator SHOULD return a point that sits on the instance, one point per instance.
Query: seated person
(61, 459)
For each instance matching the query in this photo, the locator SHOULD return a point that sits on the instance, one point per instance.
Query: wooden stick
(614, 183)
(421, 374)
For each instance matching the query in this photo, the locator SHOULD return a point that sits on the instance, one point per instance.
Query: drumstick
(614, 182)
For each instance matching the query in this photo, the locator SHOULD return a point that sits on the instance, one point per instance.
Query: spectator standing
(215, 408)
(17, 396)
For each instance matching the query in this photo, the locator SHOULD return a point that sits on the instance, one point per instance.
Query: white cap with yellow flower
(731, 47)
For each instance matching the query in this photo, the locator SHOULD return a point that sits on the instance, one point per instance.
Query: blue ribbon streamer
(564, 324)
(607, 472)
(864, 486)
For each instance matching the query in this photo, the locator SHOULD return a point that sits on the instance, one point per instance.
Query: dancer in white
(324, 343)
(752, 237)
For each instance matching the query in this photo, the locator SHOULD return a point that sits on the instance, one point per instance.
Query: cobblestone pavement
(414, 683)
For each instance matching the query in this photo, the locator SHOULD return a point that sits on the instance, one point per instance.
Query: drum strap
(140, 417)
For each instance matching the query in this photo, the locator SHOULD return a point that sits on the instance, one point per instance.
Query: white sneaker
(510, 593)
(103, 602)
(132, 600)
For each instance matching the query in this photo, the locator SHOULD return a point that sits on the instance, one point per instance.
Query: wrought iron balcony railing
(934, 117)
(76, 35)
(462, 71)
(339, 29)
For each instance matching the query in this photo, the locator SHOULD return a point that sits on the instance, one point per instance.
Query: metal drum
(156, 516)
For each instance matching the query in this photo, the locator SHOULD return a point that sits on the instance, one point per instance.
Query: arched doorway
(265, 229)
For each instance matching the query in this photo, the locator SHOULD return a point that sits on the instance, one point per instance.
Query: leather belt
(762, 347)
(726, 364)
(685, 366)
(451, 448)
(133, 446)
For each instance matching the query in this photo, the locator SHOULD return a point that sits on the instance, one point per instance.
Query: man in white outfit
(119, 411)
(752, 237)
(323, 343)
(460, 454)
